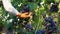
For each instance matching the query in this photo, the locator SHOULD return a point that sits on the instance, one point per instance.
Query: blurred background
(9, 22)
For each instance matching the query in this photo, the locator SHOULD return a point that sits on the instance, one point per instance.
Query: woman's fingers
(24, 15)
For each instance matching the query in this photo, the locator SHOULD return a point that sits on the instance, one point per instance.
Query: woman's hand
(23, 15)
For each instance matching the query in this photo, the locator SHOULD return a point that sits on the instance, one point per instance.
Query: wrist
(19, 14)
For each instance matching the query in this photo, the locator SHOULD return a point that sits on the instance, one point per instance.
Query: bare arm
(8, 7)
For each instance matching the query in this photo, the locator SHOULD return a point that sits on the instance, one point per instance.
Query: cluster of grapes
(54, 7)
(51, 27)
(25, 8)
(28, 26)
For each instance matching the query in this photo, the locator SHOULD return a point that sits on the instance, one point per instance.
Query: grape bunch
(28, 26)
(54, 8)
(50, 24)
(25, 8)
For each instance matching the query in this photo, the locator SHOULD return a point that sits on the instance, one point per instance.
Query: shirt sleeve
(8, 7)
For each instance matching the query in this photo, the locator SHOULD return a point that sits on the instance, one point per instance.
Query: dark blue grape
(39, 32)
(50, 18)
(55, 29)
(46, 19)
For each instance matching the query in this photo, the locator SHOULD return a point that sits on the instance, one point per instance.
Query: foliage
(7, 19)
